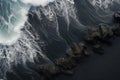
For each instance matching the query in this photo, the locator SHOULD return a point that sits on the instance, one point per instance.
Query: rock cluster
(94, 38)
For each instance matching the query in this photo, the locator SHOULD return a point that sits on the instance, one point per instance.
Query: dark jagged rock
(117, 17)
(65, 63)
(98, 35)
(116, 30)
(105, 31)
(77, 50)
(94, 38)
(49, 69)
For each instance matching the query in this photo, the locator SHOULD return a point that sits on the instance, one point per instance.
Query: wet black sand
(98, 67)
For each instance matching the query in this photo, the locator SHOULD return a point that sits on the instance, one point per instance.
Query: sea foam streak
(104, 4)
(10, 31)
(18, 43)
(37, 2)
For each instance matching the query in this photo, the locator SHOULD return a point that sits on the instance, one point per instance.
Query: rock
(92, 36)
(116, 30)
(49, 69)
(65, 63)
(77, 50)
(98, 35)
(117, 16)
(105, 31)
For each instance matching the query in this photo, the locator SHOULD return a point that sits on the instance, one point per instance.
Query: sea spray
(18, 42)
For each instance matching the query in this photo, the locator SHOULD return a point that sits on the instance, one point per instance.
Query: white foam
(9, 40)
(13, 32)
(37, 2)
(21, 15)
(104, 4)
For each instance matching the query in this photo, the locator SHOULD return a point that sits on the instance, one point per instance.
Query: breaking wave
(19, 40)
(17, 37)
